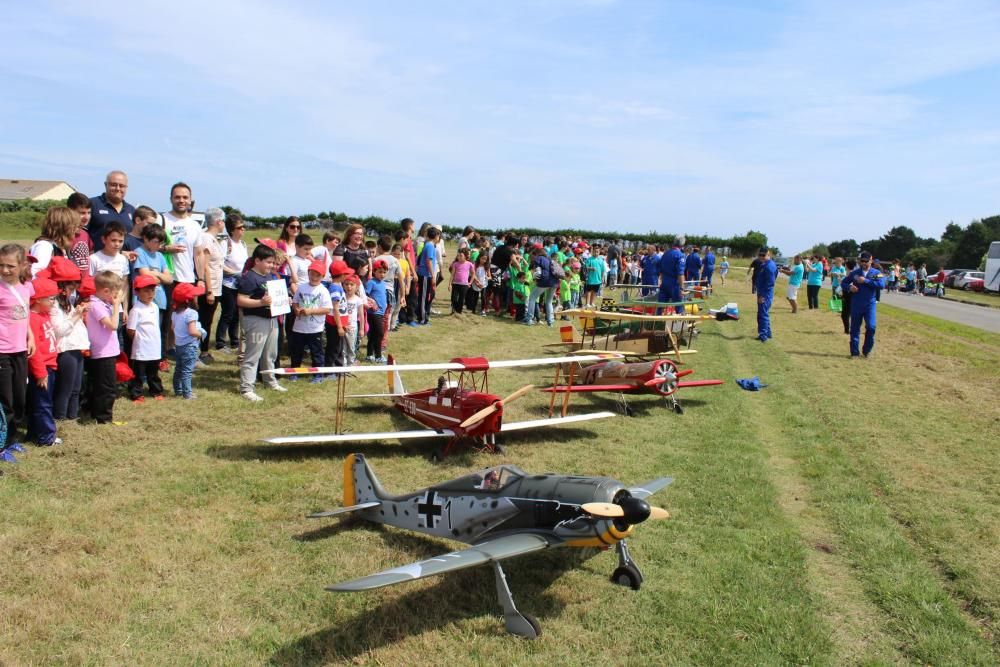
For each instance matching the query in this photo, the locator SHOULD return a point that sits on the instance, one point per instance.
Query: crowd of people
(111, 293)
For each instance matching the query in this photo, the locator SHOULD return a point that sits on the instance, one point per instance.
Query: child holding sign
(259, 321)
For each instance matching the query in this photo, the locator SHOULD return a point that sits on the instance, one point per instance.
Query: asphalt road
(980, 317)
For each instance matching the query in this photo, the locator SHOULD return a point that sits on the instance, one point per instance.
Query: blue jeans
(546, 293)
(41, 424)
(187, 355)
(69, 380)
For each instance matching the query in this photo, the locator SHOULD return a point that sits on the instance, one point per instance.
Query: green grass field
(847, 514)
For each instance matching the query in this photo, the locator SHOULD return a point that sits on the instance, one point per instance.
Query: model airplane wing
(562, 389)
(478, 554)
(532, 423)
(358, 437)
(650, 487)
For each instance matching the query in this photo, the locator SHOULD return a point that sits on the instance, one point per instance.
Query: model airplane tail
(395, 381)
(361, 486)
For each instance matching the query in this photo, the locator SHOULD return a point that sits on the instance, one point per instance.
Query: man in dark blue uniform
(863, 283)
(110, 206)
(708, 266)
(671, 273)
(767, 273)
(692, 265)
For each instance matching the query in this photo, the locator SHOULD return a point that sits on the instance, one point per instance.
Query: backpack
(557, 270)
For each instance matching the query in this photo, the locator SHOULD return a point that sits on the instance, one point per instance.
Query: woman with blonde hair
(58, 231)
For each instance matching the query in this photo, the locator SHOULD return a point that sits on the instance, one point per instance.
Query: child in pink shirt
(102, 328)
(16, 343)
(461, 277)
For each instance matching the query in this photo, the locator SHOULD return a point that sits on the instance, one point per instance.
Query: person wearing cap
(863, 283)
(143, 329)
(375, 289)
(187, 335)
(335, 352)
(42, 364)
(767, 273)
(311, 305)
(260, 328)
(68, 321)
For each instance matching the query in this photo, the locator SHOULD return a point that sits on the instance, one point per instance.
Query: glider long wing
(492, 550)
(359, 437)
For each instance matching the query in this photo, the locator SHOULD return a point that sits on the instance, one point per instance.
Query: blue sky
(807, 121)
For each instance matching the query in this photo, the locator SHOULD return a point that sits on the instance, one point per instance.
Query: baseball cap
(380, 264)
(318, 266)
(87, 287)
(338, 267)
(187, 292)
(44, 287)
(270, 243)
(145, 280)
(61, 269)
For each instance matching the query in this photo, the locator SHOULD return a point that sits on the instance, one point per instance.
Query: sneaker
(278, 388)
(370, 359)
(141, 399)
(252, 397)
(164, 365)
(414, 324)
(190, 397)
(15, 446)
(200, 364)
(57, 441)
(292, 378)
(7, 455)
(159, 397)
(435, 312)
(206, 358)
(380, 360)
(316, 379)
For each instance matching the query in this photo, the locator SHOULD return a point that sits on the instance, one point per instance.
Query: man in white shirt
(184, 233)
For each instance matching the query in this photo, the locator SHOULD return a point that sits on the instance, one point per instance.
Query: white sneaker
(277, 387)
(252, 397)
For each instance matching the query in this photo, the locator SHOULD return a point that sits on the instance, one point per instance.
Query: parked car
(976, 285)
(952, 276)
(962, 281)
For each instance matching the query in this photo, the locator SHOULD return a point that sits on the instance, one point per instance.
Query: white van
(992, 280)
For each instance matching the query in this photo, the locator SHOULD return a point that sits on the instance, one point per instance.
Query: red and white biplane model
(659, 377)
(460, 408)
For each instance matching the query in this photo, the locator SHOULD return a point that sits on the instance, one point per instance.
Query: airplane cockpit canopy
(491, 479)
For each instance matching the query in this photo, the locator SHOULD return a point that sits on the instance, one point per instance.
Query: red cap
(338, 267)
(352, 279)
(380, 264)
(44, 287)
(145, 280)
(87, 287)
(187, 292)
(61, 269)
(318, 266)
(270, 243)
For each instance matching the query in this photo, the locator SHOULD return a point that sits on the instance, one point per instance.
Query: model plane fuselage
(448, 407)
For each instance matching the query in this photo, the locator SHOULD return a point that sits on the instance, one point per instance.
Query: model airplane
(459, 408)
(502, 512)
(630, 332)
(659, 377)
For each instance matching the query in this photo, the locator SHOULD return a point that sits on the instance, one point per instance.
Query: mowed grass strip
(798, 535)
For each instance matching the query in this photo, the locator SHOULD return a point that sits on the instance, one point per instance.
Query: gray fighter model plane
(502, 512)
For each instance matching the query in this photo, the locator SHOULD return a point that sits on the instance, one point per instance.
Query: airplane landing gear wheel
(533, 622)
(678, 409)
(627, 575)
(498, 449)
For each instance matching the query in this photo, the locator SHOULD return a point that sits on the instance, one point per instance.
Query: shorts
(591, 288)
(793, 292)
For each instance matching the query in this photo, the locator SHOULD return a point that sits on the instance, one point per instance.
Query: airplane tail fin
(360, 483)
(394, 380)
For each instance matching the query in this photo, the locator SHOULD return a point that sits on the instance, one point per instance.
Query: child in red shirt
(42, 364)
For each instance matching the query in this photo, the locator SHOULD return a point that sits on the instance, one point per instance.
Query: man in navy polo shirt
(110, 206)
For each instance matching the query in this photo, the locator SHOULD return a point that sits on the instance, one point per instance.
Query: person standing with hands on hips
(863, 283)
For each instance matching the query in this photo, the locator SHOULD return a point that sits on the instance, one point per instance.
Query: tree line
(959, 247)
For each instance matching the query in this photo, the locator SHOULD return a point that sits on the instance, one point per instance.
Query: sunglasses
(294, 227)
(240, 227)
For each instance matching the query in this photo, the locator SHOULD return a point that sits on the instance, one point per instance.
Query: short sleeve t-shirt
(14, 301)
(311, 296)
(429, 253)
(103, 341)
(156, 262)
(336, 294)
(254, 285)
(349, 307)
(795, 279)
(462, 272)
(184, 232)
(816, 275)
(144, 319)
(99, 261)
(299, 267)
(180, 320)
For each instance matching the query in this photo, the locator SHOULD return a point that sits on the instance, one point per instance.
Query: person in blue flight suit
(863, 283)
(671, 273)
(650, 267)
(708, 266)
(767, 273)
(692, 266)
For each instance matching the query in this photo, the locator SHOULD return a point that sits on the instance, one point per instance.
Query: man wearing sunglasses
(863, 283)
